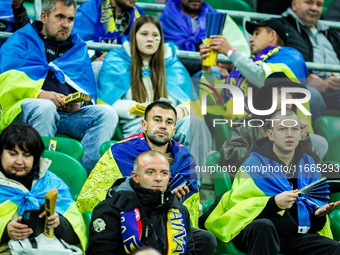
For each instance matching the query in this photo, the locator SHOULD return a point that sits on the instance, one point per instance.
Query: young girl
(146, 70)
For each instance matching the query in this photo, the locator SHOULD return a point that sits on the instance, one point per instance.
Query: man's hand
(204, 49)
(318, 83)
(17, 231)
(71, 107)
(220, 43)
(180, 193)
(223, 67)
(53, 221)
(55, 97)
(304, 129)
(101, 58)
(334, 83)
(180, 112)
(17, 3)
(286, 199)
(325, 209)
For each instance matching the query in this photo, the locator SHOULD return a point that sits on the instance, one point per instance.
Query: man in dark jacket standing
(317, 43)
(140, 211)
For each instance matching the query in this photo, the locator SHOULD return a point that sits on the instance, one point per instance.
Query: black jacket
(125, 195)
(298, 38)
(287, 224)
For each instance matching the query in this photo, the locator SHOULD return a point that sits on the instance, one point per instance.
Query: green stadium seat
(334, 218)
(333, 150)
(30, 9)
(68, 169)
(148, 2)
(237, 5)
(328, 127)
(87, 215)
(106, 145)
(331, 112)
(65, 145)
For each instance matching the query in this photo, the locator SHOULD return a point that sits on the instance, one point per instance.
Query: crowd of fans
(145, 91)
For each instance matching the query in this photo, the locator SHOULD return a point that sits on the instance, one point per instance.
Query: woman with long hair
(145, 70)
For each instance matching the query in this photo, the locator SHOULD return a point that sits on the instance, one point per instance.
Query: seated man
(242, 137)
(159, 127)
(269, 56)
(263, 213)
(107, 21)
(38, 74)
(184, 22)
(317, 43)
(144, 199)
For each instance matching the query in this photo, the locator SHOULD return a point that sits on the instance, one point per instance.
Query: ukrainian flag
(15, 200)
(117, 162)
(24, 67)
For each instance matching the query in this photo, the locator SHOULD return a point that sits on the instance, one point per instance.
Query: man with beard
(159, 128)
(106, 21)
(183, 23)
(38, 74)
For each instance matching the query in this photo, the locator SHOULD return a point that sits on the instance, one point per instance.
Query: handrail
(191, 54)
(232, 13)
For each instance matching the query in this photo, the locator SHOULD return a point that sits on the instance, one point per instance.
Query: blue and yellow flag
(112, 85)
(251, 190)
(117, 162)
(24, 67)
(14, 200)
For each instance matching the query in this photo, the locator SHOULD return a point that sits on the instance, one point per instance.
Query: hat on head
(262, 99)
(274, 24)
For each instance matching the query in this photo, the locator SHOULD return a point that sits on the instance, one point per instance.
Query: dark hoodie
(287, 224)
(153, 206)
(53, 51)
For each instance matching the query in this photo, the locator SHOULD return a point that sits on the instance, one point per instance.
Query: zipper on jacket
(146, 231)
(162, 198)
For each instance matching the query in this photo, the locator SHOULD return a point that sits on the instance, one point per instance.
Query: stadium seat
(87, 215)
(334, 218)
(328, 127)
(148, 2)
(333, 150)
(331, 112)
(237, 5)
(30, 9)
(68, 169)
(65, 145)
(106, 145)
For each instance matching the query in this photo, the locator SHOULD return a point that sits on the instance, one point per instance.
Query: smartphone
(32, 220)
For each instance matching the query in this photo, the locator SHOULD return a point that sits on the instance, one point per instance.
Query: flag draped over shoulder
(251, 191)
(273, 59)
(115, 77)
(14, 200)
(94, 21)
(117, 162)
(24, 67)
(177, 25)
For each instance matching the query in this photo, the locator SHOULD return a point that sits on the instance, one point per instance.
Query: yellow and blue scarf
(176, 231)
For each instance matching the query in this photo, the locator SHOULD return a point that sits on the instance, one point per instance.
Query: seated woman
(144, 71)
(24, 181)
